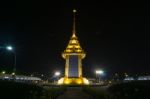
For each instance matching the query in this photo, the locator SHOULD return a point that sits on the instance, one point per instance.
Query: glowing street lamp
(13, 73)
(126, 75)
(3, 72)
(98, 74)
(13, 76)
(57, 73)
(9, 48)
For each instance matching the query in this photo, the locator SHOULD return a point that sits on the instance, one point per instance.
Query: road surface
(74, 93)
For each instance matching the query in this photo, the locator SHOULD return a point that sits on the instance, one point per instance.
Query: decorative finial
(74, 29)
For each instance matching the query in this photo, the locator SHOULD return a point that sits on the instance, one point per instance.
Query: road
(74, 93)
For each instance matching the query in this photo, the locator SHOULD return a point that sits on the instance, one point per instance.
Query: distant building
(20, 78)
(138, 78)
(143, 78)
(129, 79)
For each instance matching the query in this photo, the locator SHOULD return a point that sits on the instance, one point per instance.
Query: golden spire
(74, 45)
(74, 24)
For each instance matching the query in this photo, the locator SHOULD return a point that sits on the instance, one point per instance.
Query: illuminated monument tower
(73, 55)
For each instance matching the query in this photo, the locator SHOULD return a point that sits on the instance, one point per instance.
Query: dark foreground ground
(75, 93)
(129, 90)
(15, 90)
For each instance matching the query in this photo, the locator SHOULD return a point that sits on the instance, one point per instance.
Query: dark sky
(114, 34)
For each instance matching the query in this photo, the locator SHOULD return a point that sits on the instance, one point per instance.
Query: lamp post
(98, 74)
(10, 48)
(57, 74)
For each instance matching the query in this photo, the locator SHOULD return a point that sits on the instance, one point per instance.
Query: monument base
(73, 81)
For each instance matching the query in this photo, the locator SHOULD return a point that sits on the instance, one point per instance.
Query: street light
(3, 72)
(13, 73)
(98, 74)
(10, 48)
(57, 74)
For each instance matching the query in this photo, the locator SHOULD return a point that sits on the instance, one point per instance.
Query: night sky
(114, 34)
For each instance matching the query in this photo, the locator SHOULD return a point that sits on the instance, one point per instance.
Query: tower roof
(74, 45)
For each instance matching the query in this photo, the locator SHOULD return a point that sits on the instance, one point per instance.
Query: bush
(130, 90)
(14, 90)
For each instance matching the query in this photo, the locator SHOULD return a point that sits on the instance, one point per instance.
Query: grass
(96, 92)
(128, 90)
(14, 90)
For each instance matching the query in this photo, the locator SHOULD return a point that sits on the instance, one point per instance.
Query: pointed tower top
(74, 25)
(74, 45)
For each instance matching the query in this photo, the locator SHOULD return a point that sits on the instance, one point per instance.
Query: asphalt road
(74, 93)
